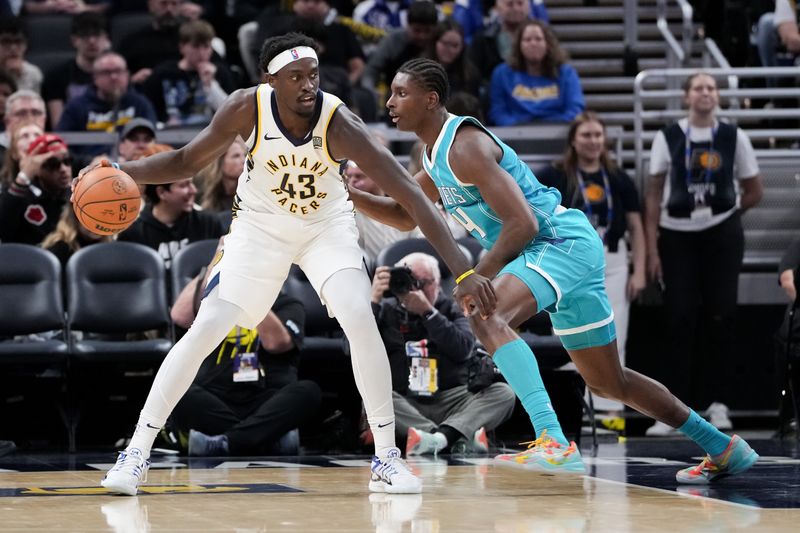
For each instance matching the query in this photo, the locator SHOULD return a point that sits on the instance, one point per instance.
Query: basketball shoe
(736, 458)
(420, 442)
(391, 474)
(480, 442)
(130, 470)
(546, 455)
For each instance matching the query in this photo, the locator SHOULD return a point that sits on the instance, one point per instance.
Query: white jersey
(287, 175)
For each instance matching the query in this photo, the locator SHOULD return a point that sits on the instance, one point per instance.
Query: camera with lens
(401, 281)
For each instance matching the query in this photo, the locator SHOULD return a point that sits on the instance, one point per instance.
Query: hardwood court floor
(329, 494)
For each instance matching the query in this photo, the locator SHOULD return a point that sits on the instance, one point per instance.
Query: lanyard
(587, 205)
(688, 156)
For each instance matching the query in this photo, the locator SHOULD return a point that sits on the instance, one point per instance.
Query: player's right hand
(91, 166)
(475, 293)
(380, 283)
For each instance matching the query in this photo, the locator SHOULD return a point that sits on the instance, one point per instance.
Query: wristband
(465, 275)
(22, 179)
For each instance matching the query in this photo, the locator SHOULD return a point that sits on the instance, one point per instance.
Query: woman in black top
(590, 181)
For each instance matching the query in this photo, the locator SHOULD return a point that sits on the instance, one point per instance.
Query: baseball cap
(135, 124)
(51, 143)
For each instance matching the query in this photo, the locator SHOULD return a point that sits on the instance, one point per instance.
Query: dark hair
(554, 57)
(687, 83)
(7, 79)
(87, 24)
(12, 26)
(461, 71)
(196, 32)
(569, 161)
(430, 75)
(151, 192)
(275, 45)
(422, 12)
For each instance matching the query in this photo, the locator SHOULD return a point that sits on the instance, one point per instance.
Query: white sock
(214, 320)
(347, 295)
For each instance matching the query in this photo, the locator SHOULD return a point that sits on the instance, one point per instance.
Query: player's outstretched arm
(474, 159)
(349, 138)
(386, 210)
(234, 117)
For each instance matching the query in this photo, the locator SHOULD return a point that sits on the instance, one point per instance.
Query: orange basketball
(106, 200)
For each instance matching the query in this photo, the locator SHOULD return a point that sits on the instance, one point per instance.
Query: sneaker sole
(119, 488)
(532, 467)
(380, 486)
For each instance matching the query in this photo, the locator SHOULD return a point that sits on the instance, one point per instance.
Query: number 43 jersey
(286, 174)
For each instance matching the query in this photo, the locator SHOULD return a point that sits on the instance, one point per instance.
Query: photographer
(430, 347)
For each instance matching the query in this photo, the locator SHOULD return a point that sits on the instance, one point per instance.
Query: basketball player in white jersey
(291, 207)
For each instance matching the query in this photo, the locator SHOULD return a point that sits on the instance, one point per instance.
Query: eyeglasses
(111, 72)
(421, 283)
(54, 163)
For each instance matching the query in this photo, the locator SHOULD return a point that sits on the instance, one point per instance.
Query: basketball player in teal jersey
(540, 256)
(291, 206)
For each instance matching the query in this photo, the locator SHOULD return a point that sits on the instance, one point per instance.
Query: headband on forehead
(289, 56)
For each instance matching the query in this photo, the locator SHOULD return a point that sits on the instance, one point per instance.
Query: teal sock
(712, 440)
(518, 365)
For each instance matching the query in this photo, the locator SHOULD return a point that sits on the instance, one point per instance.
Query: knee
(309, 392)
(612, 389)
(505, 394)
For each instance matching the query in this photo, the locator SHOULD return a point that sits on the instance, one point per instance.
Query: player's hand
(380, 283)
(474, 294)
(84, 170)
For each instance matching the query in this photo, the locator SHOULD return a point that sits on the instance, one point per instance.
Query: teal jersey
(464, 202)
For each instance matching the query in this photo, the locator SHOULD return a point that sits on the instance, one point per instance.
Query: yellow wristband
(464, 276)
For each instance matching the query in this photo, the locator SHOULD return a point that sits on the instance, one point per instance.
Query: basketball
(106, 200)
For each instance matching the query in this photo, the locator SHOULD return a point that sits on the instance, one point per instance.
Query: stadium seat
(115, 289)
(188, 262)
(48, 33)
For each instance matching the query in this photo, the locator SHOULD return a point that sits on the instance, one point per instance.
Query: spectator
(69, 236)
(13, 45)
(188, 91)
(788, 339)
(373, 236)
(31, 205)
(136, 138)
(67, 7)
(246, 395)
(170, 221)
(89, 37)
(588, 179)
(381, 14)
(449, 49)
(401, 45)
(537, 83)
(218, 181)
(339, 48)
(7, 87)
(469, 13)
(430, 347)
(695, 242)
(158, 42)
(21, 137)
(789, 265)
(493, 45)
(22, 106)
(786, 23)
(108, 104)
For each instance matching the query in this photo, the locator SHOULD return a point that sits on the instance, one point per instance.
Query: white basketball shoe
(130, 470)
(391, 474)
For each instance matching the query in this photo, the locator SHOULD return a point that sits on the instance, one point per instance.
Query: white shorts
(260, 249)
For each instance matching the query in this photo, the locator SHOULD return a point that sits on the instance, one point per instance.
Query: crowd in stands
(504, 63)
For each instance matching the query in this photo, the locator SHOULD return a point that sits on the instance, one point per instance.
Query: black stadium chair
(48, 33)
(188, 263)
(115, 289)
(34, 353)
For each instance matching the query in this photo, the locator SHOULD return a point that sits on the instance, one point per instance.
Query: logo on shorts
(295, 55)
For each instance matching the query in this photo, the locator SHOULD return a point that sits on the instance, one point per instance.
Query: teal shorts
(566, 275)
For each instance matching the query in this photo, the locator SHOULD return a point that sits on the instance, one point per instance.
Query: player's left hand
(474, 294)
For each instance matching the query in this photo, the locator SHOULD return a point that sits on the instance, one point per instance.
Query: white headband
(289, 56)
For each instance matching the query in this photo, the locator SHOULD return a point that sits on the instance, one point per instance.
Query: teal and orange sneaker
(545, 455)
(737, 458)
